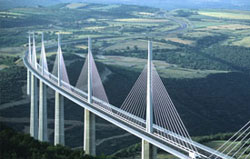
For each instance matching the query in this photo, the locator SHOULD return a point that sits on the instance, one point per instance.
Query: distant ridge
(7, 4)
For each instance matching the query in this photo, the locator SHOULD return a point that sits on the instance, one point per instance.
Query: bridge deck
(119, 118)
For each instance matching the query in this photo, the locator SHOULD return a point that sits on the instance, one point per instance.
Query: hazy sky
(183, 3)
(167, 4)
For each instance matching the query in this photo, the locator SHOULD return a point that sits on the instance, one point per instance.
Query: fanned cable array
(43, 60)
(82, 82)
(135, 102)
(97, 86)
(167, 119)
(167, 122)
(30, 52)
(34, 59)
(63, 72)
(238, 146)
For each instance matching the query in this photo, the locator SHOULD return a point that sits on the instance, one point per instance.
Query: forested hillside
(14, 145)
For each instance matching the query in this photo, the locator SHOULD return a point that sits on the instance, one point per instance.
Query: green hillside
(16, 145)
(213, 141)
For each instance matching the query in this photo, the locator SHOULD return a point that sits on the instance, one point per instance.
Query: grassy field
(75, 5)
(165, 70)
(227, 27)
(181, 41)
(243, 42)
(3, 66)
(139, 44)
(142, 20)
(226, 15)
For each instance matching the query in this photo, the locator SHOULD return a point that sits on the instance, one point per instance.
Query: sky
(173, 4)
(166, 4)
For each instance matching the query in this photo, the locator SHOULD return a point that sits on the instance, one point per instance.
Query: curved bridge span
(152, 134)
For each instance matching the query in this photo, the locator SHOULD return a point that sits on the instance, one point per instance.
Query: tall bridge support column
(28, 72)
(149, 109)
(89, 133)
(34, 108)
(43, 124)
(89, 118)
(59, 105)
(28, 81)
(59, 120)
(149, 151)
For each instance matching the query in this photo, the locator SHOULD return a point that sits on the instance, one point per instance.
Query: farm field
(227, 14)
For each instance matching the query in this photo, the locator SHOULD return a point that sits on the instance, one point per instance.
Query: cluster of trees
(11, 83)
(8, 60)
(22, 22)
(20, 146)
(208, 138)
(186, 13)
(129, 51)
(234, 57)
(131, 151)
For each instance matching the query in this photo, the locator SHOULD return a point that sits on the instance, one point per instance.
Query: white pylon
(29, 53)
(43, 60)
(28, 72)
(34, 96)
(59, 52)
(59, 68)
(90, 91)
(34, 60)
(89, 145)
(149, 109)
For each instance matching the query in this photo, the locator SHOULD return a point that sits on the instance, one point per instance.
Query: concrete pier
(89, 118)
(34, 108)
(89, 133)
(43, 124)
(59, 120)
(28, 82)
(149, 151)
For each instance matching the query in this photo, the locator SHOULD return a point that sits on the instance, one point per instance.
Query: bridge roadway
(115, 116)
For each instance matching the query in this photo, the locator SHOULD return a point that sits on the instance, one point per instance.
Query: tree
(136, 47)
